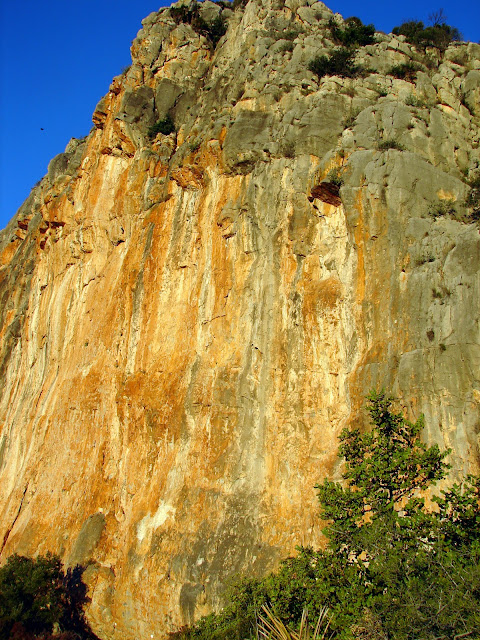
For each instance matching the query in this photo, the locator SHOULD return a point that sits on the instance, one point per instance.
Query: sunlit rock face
(187, 322)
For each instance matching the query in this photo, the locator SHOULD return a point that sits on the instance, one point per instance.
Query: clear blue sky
(58, 58)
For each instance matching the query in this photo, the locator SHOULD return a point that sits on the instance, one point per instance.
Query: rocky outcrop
(187, 322)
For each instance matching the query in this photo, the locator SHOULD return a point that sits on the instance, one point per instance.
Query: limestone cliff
(187, 322)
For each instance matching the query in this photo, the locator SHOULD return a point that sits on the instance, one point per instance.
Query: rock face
(187, 322)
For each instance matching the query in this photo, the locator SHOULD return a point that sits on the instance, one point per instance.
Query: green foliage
(390, 143)
(415, 101)
(36, 594)
(473, 198)
(335, 177)
(164, 126)
(287, 47)
(339, 63)
(438, 35)
(291, 34)
(383, 471)
(213, 31)
(355, 33)
(392, 568)
(406, 71)
(442, 208)
(238, 618)
(421, 563)
(350, 117)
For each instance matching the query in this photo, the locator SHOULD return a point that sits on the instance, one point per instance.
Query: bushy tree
(384, 471)
(419, 567)
(354, 33)
(36, 594)
(439, 34)
(339, 63)
(392, 567)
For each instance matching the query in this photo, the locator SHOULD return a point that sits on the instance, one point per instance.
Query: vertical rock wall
(185, 328)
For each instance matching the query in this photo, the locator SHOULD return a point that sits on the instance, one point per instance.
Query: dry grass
(269, 627)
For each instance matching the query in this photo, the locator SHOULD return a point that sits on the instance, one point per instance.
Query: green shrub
(166, 126)
(354, 34)
(334, 176)
(414, 101)
(238, 618)
(350, 117)
(213, 31)
(438, 35)
(391, 565)
(406, 71)
(36, 595)
(287, 47)
(473, 198)
(195, 146)
(339, 63)
(443, 208)
(290, 34)
(390, 143)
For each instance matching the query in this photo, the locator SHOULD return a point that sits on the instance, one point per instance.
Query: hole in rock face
(430, 334)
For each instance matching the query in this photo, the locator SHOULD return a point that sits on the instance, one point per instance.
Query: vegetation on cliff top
(392, 567)
(213, 30)
(355, 34)
(438, 34)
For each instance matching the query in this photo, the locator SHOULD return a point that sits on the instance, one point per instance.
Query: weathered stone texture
(185, 328)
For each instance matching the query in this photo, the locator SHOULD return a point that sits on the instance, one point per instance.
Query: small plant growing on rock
(390, 143)
(350, 118)
(443, 208)
(414, 101)
(166, 126)
(334, 177)
(473, 198)
(339, 63)
(287, 47)
(406, 71)
(195, 146)
(289, 150)
(213, 31)
(421, 260)
(291, 34)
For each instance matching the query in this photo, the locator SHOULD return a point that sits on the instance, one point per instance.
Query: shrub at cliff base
(392, 568)
(37, 596)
